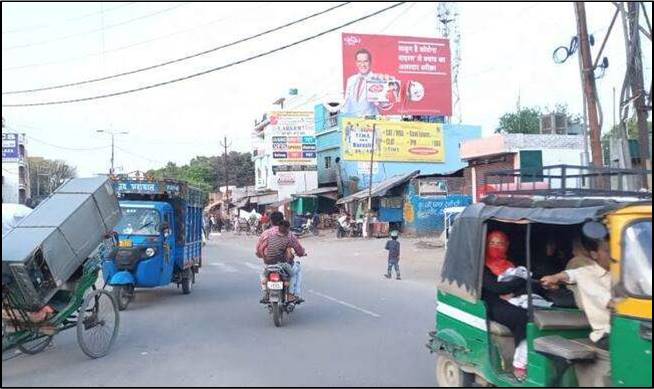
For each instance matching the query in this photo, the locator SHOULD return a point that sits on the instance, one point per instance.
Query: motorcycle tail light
(274, 277)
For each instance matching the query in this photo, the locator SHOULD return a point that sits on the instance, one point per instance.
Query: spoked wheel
(123, 295)
(450, 375)
(97, 324)
(277, 314)
(35, 346)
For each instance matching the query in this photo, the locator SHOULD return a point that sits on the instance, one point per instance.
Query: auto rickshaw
(473, 350)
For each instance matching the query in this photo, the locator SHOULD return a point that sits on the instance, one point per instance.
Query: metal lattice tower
(448, 27)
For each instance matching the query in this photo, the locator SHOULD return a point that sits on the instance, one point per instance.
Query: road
(356, 328)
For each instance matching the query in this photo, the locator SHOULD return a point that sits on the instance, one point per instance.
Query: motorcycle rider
(268, 248)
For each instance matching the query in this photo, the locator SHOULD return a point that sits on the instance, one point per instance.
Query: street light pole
(113, 134)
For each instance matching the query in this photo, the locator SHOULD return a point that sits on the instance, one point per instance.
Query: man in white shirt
(356, 97)
(594, 289)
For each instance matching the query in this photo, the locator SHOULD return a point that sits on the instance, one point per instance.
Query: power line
(179, 59)
(94, 30)
(87, 55)
(139, 155)
(194, 75)
(67, 148)
(39, 27)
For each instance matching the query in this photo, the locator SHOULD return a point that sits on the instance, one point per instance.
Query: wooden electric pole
(588, 80)
(225, 145)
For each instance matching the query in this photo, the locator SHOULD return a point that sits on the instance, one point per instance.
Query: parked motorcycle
(305, 229)
(276, 287)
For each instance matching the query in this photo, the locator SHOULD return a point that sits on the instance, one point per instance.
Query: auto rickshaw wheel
(35, 346)
(450, 375)
(97, 324)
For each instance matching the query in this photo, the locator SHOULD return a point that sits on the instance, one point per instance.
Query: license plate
(125, 243)
(275, 285)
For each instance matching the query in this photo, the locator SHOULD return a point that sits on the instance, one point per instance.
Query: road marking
(367, 312)
(224, 267)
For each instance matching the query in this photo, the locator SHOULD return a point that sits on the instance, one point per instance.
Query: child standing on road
(393, 247)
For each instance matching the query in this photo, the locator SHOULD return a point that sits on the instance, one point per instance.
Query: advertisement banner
(293, 138)
(393, 141)
(9, 146)
(393, 75)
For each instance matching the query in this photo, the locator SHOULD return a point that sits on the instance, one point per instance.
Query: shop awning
(281, 202)
(331, 192)
(381, 188)
(213, 205)
(242, 202)
(264, 199)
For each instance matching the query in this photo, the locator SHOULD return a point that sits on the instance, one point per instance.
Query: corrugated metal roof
(317, 192)
(381, 188)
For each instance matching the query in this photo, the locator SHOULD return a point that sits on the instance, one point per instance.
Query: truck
(159, 237)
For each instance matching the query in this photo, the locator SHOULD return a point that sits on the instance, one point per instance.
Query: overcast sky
(506, 50)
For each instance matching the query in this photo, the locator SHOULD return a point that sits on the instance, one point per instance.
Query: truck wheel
(123, 295)
(450, 375)
(187, 281)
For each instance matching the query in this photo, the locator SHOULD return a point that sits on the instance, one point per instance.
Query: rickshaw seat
(561, 347)
(560, 320)
(496, 328)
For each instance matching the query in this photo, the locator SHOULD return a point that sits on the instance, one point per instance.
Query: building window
(328, 162)
(531, 165)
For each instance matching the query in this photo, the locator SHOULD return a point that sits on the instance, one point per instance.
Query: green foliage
(46, 175)
(527, 120)
(208, 173)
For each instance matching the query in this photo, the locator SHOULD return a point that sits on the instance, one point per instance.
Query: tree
(527, 120)
(208, 173)
(523, 121)
(46, 175)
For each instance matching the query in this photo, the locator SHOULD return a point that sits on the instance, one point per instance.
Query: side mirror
(595, 230)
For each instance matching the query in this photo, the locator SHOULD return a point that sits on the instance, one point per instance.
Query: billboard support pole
(372, 160)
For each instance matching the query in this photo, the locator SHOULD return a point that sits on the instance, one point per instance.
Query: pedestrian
(393, 247)
(212, 223)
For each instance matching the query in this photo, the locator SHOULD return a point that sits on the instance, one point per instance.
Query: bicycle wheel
(97, 324)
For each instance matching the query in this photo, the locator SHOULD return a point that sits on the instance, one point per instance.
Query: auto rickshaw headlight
(150, 252)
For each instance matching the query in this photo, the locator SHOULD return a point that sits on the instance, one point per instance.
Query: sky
(506, 55)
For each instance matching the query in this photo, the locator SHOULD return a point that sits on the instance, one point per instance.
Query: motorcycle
(276, 287)
(305, 229)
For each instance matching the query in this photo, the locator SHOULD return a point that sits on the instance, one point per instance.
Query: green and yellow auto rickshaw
(473, 350)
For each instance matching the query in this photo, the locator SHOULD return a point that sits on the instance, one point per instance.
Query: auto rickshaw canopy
(464, 259)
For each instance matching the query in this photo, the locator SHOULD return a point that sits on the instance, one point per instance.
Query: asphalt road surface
(355, 329)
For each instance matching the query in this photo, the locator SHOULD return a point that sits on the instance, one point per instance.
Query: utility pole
(113, 134)
(635, 69)
(372, 161)
(588, 83)
(225, 145)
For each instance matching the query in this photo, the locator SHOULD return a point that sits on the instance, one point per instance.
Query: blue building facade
(329, 141)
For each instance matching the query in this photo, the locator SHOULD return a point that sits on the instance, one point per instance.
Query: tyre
(450, 375)
(97, 324)
(187, 281)
(123, 295)
(35, 346)
(277, 314)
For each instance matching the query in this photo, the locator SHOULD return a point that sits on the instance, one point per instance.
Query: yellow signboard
(393, 141)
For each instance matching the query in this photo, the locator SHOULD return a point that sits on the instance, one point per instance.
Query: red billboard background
(421, 67)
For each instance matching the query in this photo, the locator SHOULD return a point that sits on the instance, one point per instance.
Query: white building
(527, 152)
(284, 153)
(15, 169)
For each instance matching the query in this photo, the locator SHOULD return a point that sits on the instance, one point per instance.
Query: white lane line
(224, 267)
(252, 266)
(367, 312)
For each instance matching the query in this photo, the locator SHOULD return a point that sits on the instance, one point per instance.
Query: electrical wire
(67, 148)
(26, 45)
(242, 40)
(139, 156)
(194, 75)
(88, 55)
(74, 18)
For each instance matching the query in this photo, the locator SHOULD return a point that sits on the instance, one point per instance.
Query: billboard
(393, 141)
(393, 75)
(9, 146)
(293, 140)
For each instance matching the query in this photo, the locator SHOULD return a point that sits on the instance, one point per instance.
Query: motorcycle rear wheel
(277, 314)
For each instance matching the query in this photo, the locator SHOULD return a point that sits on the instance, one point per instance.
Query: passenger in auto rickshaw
(496, 295)
(594, 289)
